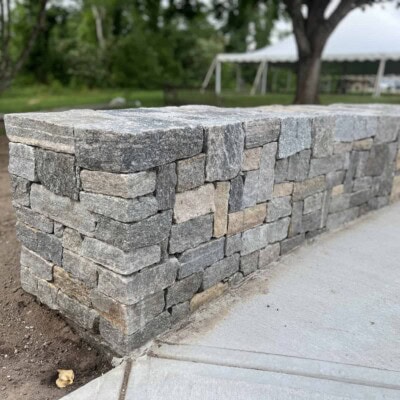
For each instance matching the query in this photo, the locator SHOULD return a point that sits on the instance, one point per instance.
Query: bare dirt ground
(34, 341)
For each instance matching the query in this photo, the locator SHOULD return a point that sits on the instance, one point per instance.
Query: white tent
(369, 35)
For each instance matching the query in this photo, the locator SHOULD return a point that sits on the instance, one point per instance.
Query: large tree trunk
(308, 74)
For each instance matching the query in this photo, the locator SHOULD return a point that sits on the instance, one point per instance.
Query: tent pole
(257, 78)
(238, 78)
(218, 78)
(208, 76)
(379, 76)
(264, 79)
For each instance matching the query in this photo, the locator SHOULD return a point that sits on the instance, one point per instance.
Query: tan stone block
(254, 216)
(235, 222)
(210, 294)
(364, 144)
(221, 199)
(194, 203)
(337, 190)
(342, 147)
(395, 195)
(283, 189)
(251, 159)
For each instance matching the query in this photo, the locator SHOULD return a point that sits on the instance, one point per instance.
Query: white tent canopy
(369, 35)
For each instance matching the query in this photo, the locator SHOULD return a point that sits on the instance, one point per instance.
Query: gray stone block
(299, 165)
(128, 237)
(166, 184)
(295, 136)
(47, 246)
(334, 178)
(236, 194)
(296, 222)
(250, 189)
(57, 173)
(180, 312)
(313, 203)
(290, 244)
(233, 244)
(20, 190)
(262, 131)
(278, 230)
(72, 240)
(266, 178)
(34, 219)
(323, 136)
(360, 197)
(191, 172)
(47, 294)
(38, 266)
(134, 288)
(312, 221)
(281, 170)
(279, 207)
(224, 146)
(184, 289)
(249, 263)
(62, 209)
(308, 187)
(340, 203)
(388, 129)
(254, 239)
(58, 230)
(128, 319)
(195, 260)
(377, 160)
(29, 282)
(268, 255)
(190, 234)
(128, 186)
(80, 268)
(337, 219)
(115, 259)
(22, 161)
(322, 166)
(124, 210)
(220, 270)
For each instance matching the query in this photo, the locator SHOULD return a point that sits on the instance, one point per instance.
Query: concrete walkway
(323, 323)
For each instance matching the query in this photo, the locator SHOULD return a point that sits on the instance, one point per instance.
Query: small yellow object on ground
(65, 378)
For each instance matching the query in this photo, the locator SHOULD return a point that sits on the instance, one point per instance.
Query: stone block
(337, 219)
(34, 219)
(194, 203)
(224, 147)
(72, 240)
(46, 245)
(334, 178)
(281, 170)
(254, 216)
(235, 223)
(236, 194)
(261, 132)
(364, 144)
(166, 184)
(254, 239)
(57, 173)
(220, 270)
(337, 190)
(29, 282)
(47, 294)
(283, 189)
(395, 193)
(128, 319)
(128, 186)
(208, 295)
(278, 230)
(20, 190)
(250, 188)
(363, 183)
(292, 243)
(268, 255)
(279, 207)
(221, 201)
(180, 312)
(342, 147)
(80, 268)
(134, 288)
(62, 209)
(295, 136)
(191, 172)
(378, 202)
(388, 129)
(362, 160)
(249, 263)
(115, 259)
(313, 203)
(377, 160)
(322, 166)
(37, 265)
(184, 289)
(360, 197)
(312, 221)
(233, 244)
(251, 159)
(308, 187)
(190, 234)
(128, 237)
(299, 165)
(323, 136)
(58, 230)
(340, 203)
(22, 161)
(118, 208)
(296, 222)
(398, 161)
(79, 313)
(266, 177)
(195, 260)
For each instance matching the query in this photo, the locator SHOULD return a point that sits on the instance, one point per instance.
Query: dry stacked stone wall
(131, 219)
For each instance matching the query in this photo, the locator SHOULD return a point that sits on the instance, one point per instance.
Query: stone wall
(131, 219)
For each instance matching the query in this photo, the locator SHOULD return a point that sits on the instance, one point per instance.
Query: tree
(11, 64)
(312, 28)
